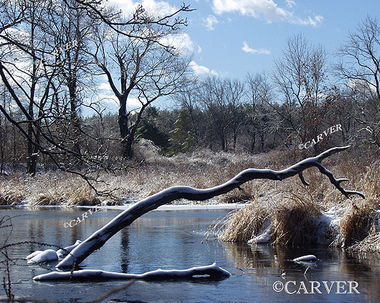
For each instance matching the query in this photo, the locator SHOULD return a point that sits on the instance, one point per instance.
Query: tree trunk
(262, 141)
(32, 159)
(253, 142)
(74, 118)
(123, 127)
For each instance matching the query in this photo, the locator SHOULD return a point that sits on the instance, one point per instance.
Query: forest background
(60, 144)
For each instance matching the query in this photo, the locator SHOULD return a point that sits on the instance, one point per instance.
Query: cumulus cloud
(264, 9)
(210, 22)
(202, 70)
(247, 49)
(181, 42)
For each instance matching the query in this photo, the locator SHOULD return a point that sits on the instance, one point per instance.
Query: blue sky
(262, 28)
(229, 38)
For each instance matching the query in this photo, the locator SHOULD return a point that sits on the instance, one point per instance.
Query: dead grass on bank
(369, 244)
(241, 225)
(292, 217)
(294, 214)
(52, 188)
(358, 222)
(144, 177)
(291, 206)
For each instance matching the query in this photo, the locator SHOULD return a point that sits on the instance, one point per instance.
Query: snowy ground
(168, 207)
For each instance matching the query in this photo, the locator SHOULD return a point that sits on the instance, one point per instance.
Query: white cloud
(290, 3)
(202, 70)
(110, 103)
(265, 9)
(314, 21)
(104, 86)
(181, 42)
(210, 22)
(158, 7)
(249, 50)
(153, 7)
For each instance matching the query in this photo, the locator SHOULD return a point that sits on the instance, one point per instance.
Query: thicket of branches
(55, 53)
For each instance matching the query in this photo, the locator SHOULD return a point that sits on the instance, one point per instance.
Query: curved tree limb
(97, 239)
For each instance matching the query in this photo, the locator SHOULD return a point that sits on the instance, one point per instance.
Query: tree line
(54, 54)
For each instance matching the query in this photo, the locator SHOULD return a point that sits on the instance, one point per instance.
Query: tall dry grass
(298, 213)
(295, 211)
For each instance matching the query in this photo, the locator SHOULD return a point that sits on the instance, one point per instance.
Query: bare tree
(259, 109)
(361, 67)
(44, 69)
(140, 65)
(222, 101)
(68, 33)
(23, 76)
(300, 75)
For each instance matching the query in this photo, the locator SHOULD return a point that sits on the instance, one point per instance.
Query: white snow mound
(264, 235)
(44, 256)
(307, 258)
(63, 252)
(33, 254)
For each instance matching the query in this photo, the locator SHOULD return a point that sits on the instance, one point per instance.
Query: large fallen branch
(97, 239)
(210, 272)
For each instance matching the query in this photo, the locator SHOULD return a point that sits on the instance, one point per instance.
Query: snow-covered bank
(301, 222)
(325, 230)
(169, 207)
(179, 207)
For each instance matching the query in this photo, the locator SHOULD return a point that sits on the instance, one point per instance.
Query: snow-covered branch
(97, 239)
(210, 272)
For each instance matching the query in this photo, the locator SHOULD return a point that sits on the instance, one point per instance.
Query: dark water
(177, 239)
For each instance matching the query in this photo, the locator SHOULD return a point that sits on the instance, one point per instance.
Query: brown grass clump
(370, 244)
(294, 222)
(357, 222)
(48, 198)
(83, 196)
(242, 225)
(12, 190)
(9, 197)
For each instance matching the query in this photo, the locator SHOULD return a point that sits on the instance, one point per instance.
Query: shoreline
(176, 207)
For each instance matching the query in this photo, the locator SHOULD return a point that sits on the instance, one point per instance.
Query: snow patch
(44, 256)
(30, 256)
(307, 258)
(328, 224)
(264, 235)
(64, 251)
